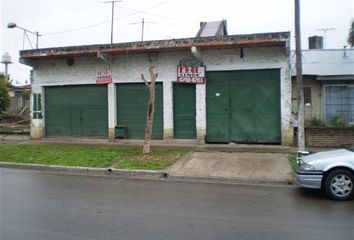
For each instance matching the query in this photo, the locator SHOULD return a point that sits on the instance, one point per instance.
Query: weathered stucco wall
(315, 108)
(128, 67)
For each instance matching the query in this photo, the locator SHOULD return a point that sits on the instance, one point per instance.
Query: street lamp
(25, 31)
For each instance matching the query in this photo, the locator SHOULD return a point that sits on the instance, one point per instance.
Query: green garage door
(76, 111)
(132, 99)
(184, 111)
(243, 106)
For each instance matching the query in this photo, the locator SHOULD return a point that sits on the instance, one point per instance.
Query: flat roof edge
(260, 39)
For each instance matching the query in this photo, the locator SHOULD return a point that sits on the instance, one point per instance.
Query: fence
(329, 136)
(19, 105)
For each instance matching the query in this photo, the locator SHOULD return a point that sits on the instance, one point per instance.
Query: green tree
(4, 94)
(351, 35)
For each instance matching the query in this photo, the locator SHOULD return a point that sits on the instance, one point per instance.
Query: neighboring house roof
(21, 87)
(326, 63)
(212, 29)
(280, 39)
(27, 86)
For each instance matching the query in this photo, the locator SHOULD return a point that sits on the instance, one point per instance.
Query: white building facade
(64, 82)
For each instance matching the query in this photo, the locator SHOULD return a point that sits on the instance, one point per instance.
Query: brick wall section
(329, 136)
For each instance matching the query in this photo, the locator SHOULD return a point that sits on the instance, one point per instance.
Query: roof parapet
(220, 42)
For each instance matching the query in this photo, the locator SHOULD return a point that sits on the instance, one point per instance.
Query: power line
(142, 27)
(156, 15)
(77, 29)
(108, 21)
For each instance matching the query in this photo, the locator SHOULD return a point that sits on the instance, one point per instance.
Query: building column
(201, 111)
(37, 125)
(167, 110)
(285, 91)
(112, 111)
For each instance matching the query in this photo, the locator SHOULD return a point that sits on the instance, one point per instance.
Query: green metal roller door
(76, 111)
(132, 99)
(184, 111)
(244, 106)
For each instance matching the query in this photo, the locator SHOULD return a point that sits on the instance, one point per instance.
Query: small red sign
(103, 77)
(191, 74)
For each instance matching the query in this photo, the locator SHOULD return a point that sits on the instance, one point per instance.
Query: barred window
(339, 103)
(37, 106)
(307, 96)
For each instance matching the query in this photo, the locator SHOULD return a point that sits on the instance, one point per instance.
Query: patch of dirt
(15, 119)
(172, 157)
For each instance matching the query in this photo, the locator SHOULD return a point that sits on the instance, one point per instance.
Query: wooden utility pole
(299, 81)
(150, 108)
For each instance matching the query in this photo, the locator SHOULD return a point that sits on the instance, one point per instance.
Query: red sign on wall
(103, 77)
(191, 74)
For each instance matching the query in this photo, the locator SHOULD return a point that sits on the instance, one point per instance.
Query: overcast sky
(81, 22)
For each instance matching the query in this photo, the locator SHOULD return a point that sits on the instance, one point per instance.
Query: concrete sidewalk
(182, 143)
(248, 167)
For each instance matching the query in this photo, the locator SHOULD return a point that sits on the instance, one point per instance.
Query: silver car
(332, 171)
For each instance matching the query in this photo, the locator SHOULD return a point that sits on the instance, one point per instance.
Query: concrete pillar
(37, 125)
(285, 102)
(167, 110)
(200, 111)
(37, 129)
(112, 111)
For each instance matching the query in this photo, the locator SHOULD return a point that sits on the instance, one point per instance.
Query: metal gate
(132, 99)
(76, 111)
(184, 126)
(243, 106)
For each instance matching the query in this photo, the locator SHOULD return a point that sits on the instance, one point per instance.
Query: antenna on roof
(325, 33)
(142, 27)
(112, 17)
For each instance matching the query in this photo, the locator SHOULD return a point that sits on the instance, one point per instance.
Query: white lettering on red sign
(191, 74)
(103, 77)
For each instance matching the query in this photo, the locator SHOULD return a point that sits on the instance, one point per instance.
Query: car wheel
(339, 184)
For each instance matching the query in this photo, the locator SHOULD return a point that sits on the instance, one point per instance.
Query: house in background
(214, 87)
(328, 81)
(19, 100)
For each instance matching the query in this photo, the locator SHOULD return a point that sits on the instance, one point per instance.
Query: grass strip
(91, 156)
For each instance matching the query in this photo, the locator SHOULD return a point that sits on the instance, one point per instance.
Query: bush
(317, 122)
(337, 121)
(4, 94)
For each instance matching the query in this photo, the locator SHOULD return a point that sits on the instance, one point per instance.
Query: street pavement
(39, 205)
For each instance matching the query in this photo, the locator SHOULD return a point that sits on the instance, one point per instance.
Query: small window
(37, 106)
(307, 96)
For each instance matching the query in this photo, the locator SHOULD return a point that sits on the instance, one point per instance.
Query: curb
(142, 174)
(239, 181)
(87, 170)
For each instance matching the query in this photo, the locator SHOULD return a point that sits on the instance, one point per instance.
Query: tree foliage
(351, 35)
(4, 94)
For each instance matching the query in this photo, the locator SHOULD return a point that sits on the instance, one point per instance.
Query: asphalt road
(37, 205)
